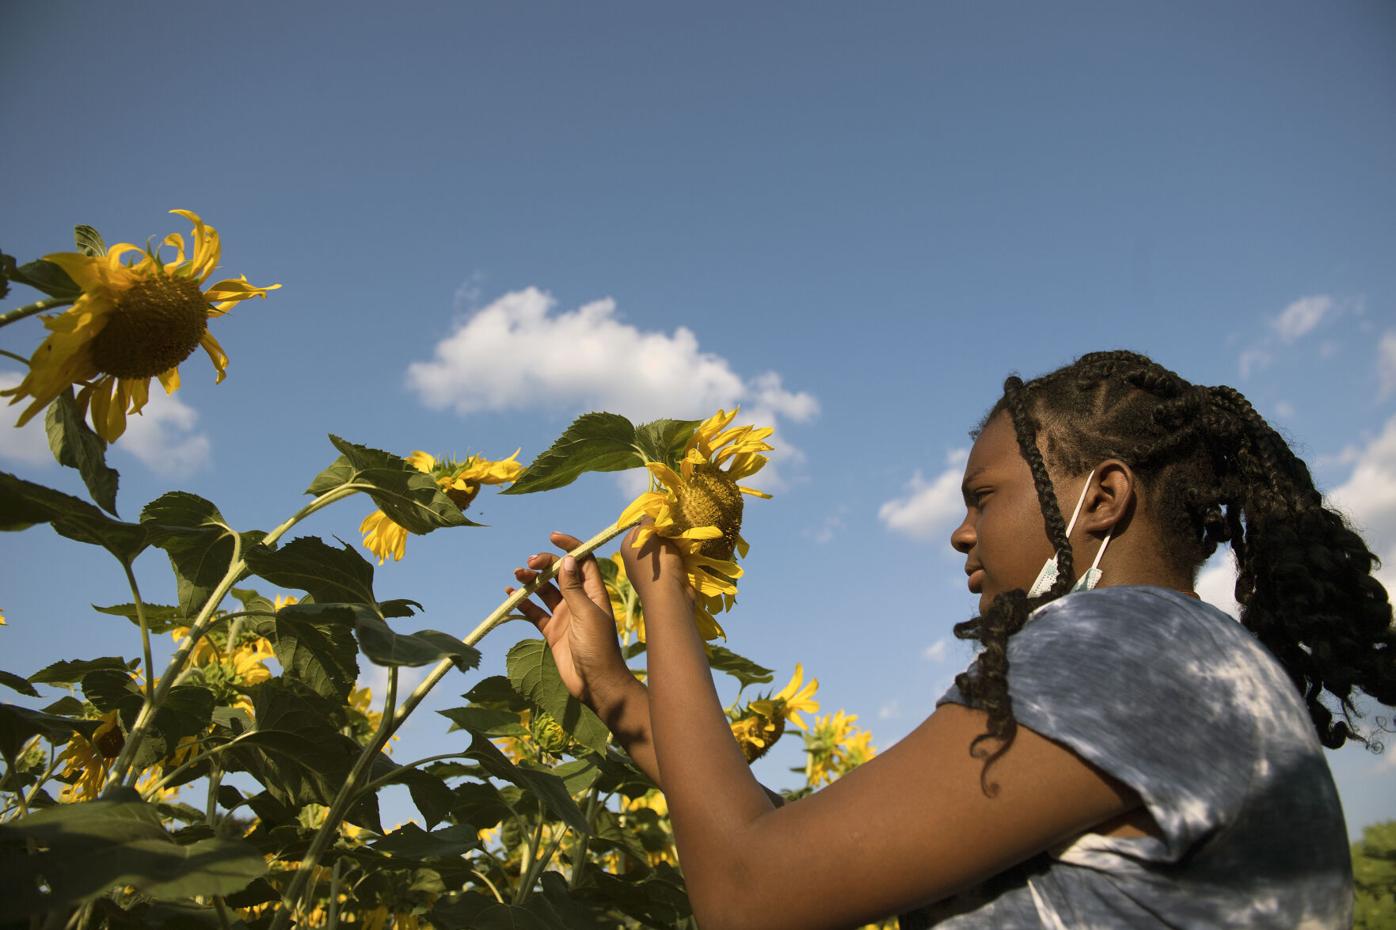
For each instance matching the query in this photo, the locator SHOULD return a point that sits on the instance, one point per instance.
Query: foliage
(535, 819)
(1374, 877)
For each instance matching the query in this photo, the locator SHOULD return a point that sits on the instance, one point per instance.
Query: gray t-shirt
(1181, 703)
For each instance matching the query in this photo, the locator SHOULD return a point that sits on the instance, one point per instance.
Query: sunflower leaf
(11, 680)
(23, 504)
(739, 667)
(76, 445)
(545, 786)
(158, 617)
(411, 499)
(47, 277)
(18, 724)
(307, 563)
(296, 750)
(665, 440)
(89, 241)
(385, 646)
(89, 847)
(198, 541)
(594, 442)
(317, 649)
(69, 671)
(534, 674)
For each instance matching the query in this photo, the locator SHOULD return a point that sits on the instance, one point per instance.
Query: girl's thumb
(569, 577)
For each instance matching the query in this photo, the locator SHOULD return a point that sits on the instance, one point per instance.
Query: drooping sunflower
(699, 509)
(835, 746)
(133, 321)
(86, 762)
(459, 479)
(757, 726)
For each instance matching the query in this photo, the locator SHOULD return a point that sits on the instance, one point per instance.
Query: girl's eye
(978, 497)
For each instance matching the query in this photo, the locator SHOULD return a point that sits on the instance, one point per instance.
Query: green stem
(222, 910)
(333, 922)
(14, 355)
(121, 768)
(292, 899)
(38, 306)
(175, 773)
(386, 779)
(501, 614)
(145, 632)
(579, 856)
(526, 866)
(488, 884)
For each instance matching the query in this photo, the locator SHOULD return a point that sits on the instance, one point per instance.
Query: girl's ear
(1111, 498)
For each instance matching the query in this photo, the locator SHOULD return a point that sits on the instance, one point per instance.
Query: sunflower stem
(14, 355)
(145, 631)
(502, 613)
(38, 306)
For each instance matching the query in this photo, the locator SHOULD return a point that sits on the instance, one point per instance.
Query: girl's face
(1003, 536)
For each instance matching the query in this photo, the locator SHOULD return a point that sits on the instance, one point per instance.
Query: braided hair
(1215, 473)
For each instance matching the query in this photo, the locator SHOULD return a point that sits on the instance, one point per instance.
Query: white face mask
(1087, 581)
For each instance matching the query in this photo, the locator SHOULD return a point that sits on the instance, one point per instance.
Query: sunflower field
(237, 786)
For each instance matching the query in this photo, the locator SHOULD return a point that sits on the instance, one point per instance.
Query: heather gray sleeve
(1147, 694)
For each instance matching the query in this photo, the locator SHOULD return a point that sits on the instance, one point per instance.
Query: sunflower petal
(170, 380)
(217, 355)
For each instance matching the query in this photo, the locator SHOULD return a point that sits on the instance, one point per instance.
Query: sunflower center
(462, 497)
(155, 325)
(710, 498)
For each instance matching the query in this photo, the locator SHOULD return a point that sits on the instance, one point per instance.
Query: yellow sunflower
(460, 480)
(87, 761)
(625, 603)
(834, 746)
(699, 509)
(133, 321)
(757, 726)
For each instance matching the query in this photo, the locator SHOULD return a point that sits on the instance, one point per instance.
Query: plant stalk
(38, 306)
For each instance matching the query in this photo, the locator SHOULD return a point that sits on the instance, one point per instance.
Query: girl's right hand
(579, 628)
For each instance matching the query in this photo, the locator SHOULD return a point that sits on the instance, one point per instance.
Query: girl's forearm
(627, 716)
(711, 792)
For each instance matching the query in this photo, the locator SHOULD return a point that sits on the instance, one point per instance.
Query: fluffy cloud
(522, 353)
(1290, 325)
(935, 652)
(1216, 583)
(1300, 317)
(931, 508)
(1368, 498)
(27, 445)
(163, 437)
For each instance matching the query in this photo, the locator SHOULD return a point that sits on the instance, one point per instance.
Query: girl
(1119, 754)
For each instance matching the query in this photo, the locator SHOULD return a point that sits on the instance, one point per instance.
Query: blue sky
(854, 220)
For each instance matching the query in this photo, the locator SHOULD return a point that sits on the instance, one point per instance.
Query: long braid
(1214, 472)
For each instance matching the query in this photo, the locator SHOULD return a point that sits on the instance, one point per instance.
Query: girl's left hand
(655, 568)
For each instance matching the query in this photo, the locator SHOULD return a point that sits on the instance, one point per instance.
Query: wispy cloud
(521, 352)
(935, 652)
(931, 507)
(1288, 327)
(28, 444)
(163, 437)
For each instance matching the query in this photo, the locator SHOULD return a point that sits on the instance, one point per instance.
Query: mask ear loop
(1091, 577)
(1048, 574)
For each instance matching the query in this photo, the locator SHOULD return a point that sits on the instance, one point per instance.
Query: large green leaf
(158, 617)
(81, 850)
(412, 499)
(20, 724)
(412, 842)
(297, 750)
(739, 667)
(76, 445)
(70, 671)
(665, 440)
(185, 711)
(534, 674)
(11, 680)
(23, 504)
(545, 786)
(47, 277)
(385, 646)
(199, 542)
(594, 442)
(307, 563)
(485, 721)
(316, 647)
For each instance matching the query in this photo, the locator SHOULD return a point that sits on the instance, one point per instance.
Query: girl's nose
(962, 539)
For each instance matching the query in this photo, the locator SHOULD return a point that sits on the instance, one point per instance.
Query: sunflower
(625, 602)
(834, 746)
(757, 726)
(699, 509)
(460, 480)
(86, 761)
(132, 322)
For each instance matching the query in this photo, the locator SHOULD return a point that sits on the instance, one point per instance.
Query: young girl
(1119, 754)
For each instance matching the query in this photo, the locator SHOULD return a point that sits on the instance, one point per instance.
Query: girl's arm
(908, 827)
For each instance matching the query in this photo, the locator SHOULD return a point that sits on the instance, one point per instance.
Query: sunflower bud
(548, 734)
(711, 498)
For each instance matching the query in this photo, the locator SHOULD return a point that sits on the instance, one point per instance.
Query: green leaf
(578, 775)
(496, 692)
(484, 721)
(594, 442)
(110, 690)
(665, 440)
(432, 796)
(534, 674)
(545, 786)
(84, 849)
(307, 563)
(739, 667)
(23, 504)
(399, 607)
(158, 617)
(69, 671)
(385, 646)
(185, 711)
(13, 681)
(19, 724)
(89, 241)
(339, 473)
(480, 804)
(296, 750)
(317, 647)
(411, 499)
(411, 841)
(47, 277)
(253, 601)
(198, 541)
(76, 445)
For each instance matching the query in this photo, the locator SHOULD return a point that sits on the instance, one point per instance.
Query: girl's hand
(655, 569)
(579, 628)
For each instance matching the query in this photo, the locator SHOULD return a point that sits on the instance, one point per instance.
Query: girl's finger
(565, 541)
(548, 593)
(536, 615)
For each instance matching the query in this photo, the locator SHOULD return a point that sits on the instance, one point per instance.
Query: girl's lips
(976, 580)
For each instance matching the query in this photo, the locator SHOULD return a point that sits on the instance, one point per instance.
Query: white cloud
(889, 711)
(521, 353)
(1300, 317)
(28, 444)
(1386, 363)
(1368, 498)
(163, 437)
(1216, 583)
(930, 509)
(935, 652)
